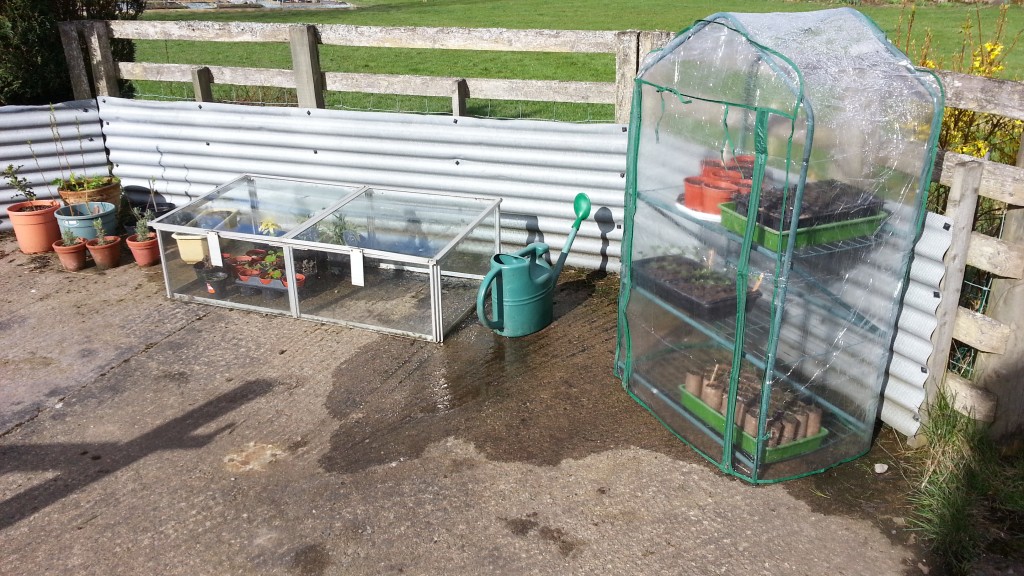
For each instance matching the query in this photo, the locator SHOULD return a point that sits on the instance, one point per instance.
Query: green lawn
(944, 21)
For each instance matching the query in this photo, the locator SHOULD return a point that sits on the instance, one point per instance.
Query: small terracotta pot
(745, 160)
(72, 257)
(717, 192)
(725, 174)
(709, 164)
(146, 253)
(693, 193)
(107, 255)
(36, 230)
(300, 280)
(743, 186)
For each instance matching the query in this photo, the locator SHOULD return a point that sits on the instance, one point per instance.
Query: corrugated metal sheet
(27, 138)
(904, 391)
(536, 167)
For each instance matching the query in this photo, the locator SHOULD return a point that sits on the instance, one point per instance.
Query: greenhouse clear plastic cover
(778, 172)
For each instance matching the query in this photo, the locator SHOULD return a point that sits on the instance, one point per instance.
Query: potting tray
(811, 236)
(716, 421)
(676, 295)
(824, 202)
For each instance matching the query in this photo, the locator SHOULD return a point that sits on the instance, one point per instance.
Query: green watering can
(522, 284)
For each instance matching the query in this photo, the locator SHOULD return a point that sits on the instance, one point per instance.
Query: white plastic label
(215, 256)
(356, 257)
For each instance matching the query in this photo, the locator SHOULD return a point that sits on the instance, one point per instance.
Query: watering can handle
(480, 296)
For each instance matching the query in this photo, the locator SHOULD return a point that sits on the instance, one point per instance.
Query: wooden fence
(310, 81)
(995, 395)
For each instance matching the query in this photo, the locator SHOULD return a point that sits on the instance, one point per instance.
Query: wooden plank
(990, 95)
(997, 256)
(221, 74)
(980, 332)
(969, 399)
(543, 90)
(1001, 181)
(309, 79)
(202, 79)
(104, 71)
(500, 39)
(73, 55)
(199, 31)
(460, 92)
(651, 40)
(960, 207)
(539, 90)
(626, 62)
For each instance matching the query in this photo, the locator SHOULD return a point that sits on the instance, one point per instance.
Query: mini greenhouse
(778, 171)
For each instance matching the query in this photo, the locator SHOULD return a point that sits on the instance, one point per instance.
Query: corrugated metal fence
(535, 167)
(49, 143)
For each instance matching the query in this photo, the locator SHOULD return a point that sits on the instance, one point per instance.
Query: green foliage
(971, 496)
(32, 68)
(101, 234)
(77, 182)
(19, 184)
(142, 219)
(67, 236)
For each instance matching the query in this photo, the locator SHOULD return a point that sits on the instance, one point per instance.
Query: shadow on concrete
(79, 465)
(539, 399)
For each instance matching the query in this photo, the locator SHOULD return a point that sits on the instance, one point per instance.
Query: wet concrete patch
(532, 399)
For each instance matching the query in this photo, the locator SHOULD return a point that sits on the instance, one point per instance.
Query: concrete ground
(140, 435)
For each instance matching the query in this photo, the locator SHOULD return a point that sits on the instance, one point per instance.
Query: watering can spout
(581, 205)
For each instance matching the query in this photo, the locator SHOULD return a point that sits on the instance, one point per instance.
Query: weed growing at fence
(969, 498)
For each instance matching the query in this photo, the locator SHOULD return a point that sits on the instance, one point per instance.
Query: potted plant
(105, 250)
(71, 250)
(35, 225)
(143, 244)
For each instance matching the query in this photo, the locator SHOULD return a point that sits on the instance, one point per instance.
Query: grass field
(943, 20)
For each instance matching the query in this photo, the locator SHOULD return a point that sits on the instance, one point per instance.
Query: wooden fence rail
(310, 81)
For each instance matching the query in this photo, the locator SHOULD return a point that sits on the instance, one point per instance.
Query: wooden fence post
(960, 207)
(104, 71)
(202, 78)
(625, 71)
(651, 40)
(72, 42)
(309, 79)
(460, 92)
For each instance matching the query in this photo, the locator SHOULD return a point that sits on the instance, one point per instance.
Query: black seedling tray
(824, 202)
(678, 292)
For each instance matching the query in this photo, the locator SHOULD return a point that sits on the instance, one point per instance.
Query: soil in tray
(690, 286)
(824, 202)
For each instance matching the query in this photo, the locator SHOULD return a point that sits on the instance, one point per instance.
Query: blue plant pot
(79, 218)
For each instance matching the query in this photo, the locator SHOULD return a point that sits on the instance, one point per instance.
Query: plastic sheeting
(778, 169)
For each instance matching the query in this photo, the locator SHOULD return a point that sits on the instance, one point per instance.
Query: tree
(32, 65)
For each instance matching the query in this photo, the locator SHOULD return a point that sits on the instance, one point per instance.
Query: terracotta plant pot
(707, 165)
(717, 192)
(300, 280)
(36, 230)
(693, 193)
(743, 186)
(106, 255)
(146, 253)
(725, 174)
(72, 257)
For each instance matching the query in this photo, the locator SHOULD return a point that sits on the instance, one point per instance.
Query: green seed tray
(811, 236)
(716, 421)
